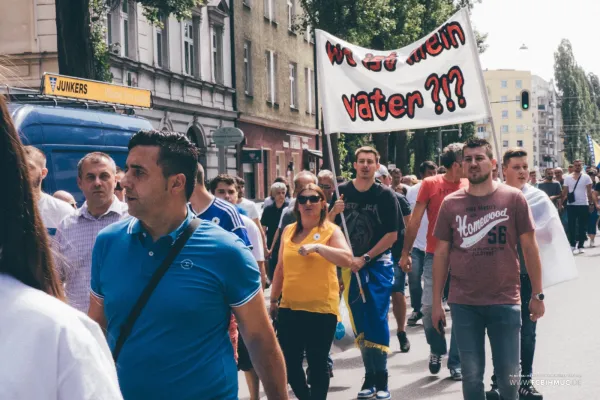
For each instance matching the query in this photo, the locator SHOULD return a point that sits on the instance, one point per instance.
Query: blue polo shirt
(179, 347)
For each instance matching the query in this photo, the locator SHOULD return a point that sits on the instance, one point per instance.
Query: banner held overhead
(436, 81)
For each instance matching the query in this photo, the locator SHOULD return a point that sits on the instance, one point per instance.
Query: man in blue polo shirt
(179, 347)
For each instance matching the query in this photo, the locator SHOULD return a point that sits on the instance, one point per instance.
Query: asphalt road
(565, 361)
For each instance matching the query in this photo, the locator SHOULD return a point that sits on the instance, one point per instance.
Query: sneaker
(528, 392)
(404, 343)
(414, 317)
(381, 385)
(493, 394)
(574, 250)
(368, 388)
(580, 251)
(592, 243)
(435, 363)
(456, 374)
(446, 306)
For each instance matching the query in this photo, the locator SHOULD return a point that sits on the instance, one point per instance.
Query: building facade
(276, 102)
(186, 64)
(546, 123)
(513, 126)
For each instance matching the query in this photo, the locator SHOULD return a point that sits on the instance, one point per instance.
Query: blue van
(65, 135)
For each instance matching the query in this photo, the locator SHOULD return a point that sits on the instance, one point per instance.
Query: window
(248, 67)
(505, 143)
(247, 3)
(161, 43)
(520, 129)
(109, 30)
(481, 129)
(503, 84)
(290, 14)
(504, 114)
(504, 99)
(519, 143)
(519, 84)
(188, 48)
(504, 129)
(125, 28)
(519, 114)
(270, 9)
(217, 53)
(309, 78)
(271, 64)
(518, 98)
(293, 85)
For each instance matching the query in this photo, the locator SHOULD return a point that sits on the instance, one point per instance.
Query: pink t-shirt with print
(483, 233)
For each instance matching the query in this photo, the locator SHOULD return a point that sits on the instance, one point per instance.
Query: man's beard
(36, 182)
(480, 180)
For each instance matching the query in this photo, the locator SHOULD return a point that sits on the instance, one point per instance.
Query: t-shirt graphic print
(484, 232)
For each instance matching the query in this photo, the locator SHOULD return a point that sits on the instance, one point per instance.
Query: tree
(80, 31)
(579, 112)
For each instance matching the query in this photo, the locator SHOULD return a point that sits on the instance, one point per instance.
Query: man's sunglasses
(118, 188)
(305, 199)
(325, 187)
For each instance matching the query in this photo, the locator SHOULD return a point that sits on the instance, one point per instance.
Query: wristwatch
(367, 258)
(539, 296)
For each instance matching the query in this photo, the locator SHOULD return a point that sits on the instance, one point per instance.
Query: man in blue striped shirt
(220, 212)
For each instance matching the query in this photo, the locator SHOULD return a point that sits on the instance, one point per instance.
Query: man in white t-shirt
(426, 169)
(577, 190)
(51, 209)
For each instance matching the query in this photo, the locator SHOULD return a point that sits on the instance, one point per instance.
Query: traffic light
(525, 100)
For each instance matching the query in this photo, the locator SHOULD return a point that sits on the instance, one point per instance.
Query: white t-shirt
(250, 207)
(581, 198)
(421, 239)
(60, 348)
(53, 211)
(255, 238)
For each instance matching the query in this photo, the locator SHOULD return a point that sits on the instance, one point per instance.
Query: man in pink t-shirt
(478, 230)
(433, 191)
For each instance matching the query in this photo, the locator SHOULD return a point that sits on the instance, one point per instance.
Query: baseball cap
(382, 171)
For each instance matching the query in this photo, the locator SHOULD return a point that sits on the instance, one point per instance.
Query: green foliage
(347, 144)
(180, 9)
(98, 10)
(578, 101)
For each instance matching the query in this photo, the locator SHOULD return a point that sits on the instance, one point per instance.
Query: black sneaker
(414, 318)
(493, 394)
(435, 363)
(404, 343)
(528, 392)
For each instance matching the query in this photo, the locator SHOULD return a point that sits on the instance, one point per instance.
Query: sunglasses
(325, 187)
(313, 199)
(118, 188)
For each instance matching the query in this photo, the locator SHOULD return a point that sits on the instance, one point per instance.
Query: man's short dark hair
(95, 157)
(425, 166)
(442, 170)
(36, 155)
(513, 153)
(226, 179)
(240, 183)
(453, 153)
(476, 142)
(177, 155)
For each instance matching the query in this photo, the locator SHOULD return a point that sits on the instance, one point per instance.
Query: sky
(540, 25)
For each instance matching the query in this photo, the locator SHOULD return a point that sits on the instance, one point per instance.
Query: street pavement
(567, 350)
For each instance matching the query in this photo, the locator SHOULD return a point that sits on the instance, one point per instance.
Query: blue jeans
(414, 279)
(503, 325)
(437, 342)
(374, 360)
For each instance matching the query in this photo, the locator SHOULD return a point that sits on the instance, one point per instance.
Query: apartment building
(275, 90)
(186, 64)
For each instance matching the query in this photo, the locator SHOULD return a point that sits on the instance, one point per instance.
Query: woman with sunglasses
(48, 349)
(306, 279)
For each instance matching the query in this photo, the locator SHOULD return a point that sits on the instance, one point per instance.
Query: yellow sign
(76, 88)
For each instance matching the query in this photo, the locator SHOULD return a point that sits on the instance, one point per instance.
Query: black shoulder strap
(158, 274)
(577, 183)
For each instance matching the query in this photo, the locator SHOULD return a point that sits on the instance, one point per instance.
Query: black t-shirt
(551, 189)
(597, 188)
(404, 211)
(369, 215)
(270, 219)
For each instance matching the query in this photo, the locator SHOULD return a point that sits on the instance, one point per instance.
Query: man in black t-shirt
(552, 188)
(371, 212)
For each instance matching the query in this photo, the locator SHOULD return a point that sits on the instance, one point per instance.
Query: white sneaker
(581, 251)
(446, 306)
(574, 250)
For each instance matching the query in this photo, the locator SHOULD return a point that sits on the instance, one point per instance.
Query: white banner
(434, 82)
